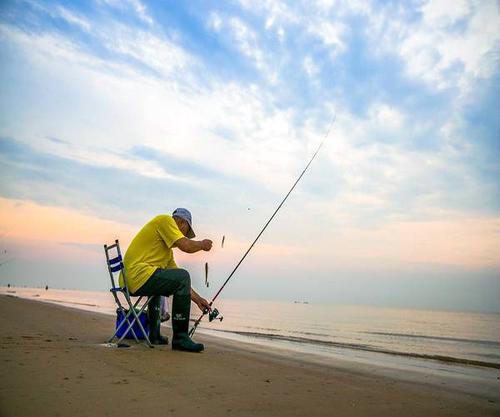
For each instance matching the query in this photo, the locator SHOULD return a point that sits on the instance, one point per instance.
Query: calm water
(330, 329)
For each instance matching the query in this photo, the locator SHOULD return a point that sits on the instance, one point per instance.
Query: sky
(112, 112)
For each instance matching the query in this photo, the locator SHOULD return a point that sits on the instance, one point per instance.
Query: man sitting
(150, 270)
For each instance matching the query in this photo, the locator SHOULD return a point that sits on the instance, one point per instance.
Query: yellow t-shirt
(150, 249)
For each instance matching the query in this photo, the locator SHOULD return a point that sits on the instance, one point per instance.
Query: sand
(54, 363)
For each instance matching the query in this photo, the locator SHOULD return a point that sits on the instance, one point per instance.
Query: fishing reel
(214, 315)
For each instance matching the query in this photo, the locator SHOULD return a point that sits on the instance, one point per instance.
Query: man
(150, 270)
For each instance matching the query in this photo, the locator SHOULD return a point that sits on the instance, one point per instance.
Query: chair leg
(125, 315)
(130, 327)
(134, 320)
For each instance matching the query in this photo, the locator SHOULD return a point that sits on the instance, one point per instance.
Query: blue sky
(114, 111)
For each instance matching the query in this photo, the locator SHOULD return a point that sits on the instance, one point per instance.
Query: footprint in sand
(123, 381)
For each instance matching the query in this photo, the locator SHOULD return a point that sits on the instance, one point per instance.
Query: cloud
(268, 142)
(119, 194)
(275, 12)
(376, 173)
(447, 46)
(150, 91)
(246, 40)
(310, 67)
(135, 5)
(215, 21)
(60, 12)
(73, 18)
(330, 34)
(238, 35)
(151, 51)
(154, 111)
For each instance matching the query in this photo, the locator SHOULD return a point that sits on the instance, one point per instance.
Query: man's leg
(154, 321)
(176, 282)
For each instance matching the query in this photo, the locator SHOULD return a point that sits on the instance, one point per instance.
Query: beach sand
(54, 363)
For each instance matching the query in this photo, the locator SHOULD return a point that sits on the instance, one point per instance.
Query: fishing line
(213, 314)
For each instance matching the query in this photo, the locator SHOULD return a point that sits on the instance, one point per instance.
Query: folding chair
(131, 316)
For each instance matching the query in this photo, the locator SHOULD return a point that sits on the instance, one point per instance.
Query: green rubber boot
(180, 325)
(154, 323)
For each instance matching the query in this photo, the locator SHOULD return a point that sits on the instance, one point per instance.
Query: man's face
(183, 225)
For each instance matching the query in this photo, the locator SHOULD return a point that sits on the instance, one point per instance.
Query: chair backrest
(114, 262)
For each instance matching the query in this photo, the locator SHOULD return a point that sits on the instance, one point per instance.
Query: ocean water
(430, 337)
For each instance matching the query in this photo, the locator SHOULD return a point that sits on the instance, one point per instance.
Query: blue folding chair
(130, 316)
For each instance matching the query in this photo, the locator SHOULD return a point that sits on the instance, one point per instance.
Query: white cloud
(443, 13)
(273, 10)
(329, 33)
(387, 117)
(73, 18)
(113, 107)
(151, 50)
(310, 67)
(377, 174)
(215, 21)
(136, 5)
(246, 40)
(61, 12)
(309, 18)
(182, 117)
(280, 32)
(343, 7)
(453, 44)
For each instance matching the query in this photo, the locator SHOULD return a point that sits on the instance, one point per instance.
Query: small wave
(270, 329)
(442, 338)
(491, 355)
(368, 348)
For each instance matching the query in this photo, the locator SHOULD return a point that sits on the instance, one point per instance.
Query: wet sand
(54, 363)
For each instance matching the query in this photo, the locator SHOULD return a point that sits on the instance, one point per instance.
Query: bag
(143, 318)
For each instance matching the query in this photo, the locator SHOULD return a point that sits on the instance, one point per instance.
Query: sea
(460, 343)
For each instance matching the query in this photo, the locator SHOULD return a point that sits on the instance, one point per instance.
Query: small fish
(206, 275)
(222, 244)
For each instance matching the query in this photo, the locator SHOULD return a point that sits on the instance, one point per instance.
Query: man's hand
(203, 304)
(206, 244)
(200, 301)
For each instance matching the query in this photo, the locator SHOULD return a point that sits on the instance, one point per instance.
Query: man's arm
(192, 246)
(199, 301)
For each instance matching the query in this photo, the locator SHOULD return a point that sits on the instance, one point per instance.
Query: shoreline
(366, 348)
(55, 362)
(332, 348)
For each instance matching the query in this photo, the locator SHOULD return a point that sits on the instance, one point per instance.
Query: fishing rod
(214, 313)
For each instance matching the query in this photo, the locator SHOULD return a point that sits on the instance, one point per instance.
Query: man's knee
(184, 281)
